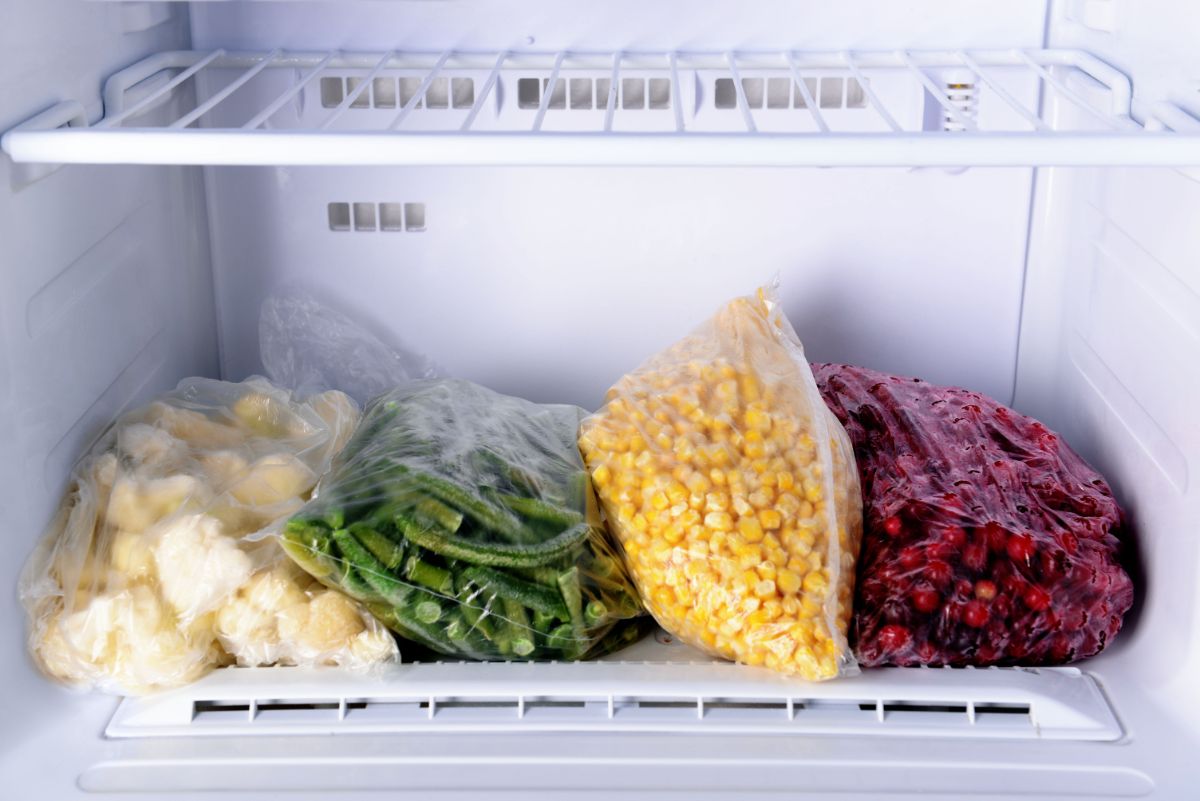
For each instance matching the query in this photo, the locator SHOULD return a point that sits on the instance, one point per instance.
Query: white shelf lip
(620, 696)
(562, 148)
(507, 136)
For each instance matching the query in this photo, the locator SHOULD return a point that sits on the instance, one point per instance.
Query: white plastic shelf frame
(900, 108)
(657, 685)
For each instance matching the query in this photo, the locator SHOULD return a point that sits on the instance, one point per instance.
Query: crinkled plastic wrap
(309, 345)
(465, 521)
(988, 540)
(150, 575)
(734, 493)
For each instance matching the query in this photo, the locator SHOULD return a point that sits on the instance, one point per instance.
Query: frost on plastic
(988, 540)
(465, 521)
(150, 574)
(734, 493)
(307, 344)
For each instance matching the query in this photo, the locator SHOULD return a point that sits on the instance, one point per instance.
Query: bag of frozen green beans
(466, 522)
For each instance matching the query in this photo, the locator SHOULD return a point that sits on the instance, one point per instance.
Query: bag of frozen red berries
(987, 540)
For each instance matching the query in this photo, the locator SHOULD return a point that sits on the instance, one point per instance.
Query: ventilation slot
(964, 98)
(391, 93)
(589, 94)
(782, 92)
(367, 217)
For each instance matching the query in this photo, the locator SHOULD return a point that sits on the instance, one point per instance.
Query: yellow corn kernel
(717, 541)
(640, 523)
(760, 499)
(788, 581)
(812, 492)
(602, 476)
(765, 589)
(784, 480)
(673, 533)
(750, 528)
(659, 500)
(697, 483)
(716, 475)
(767, 570)
(770, 519)
(678, 509)
(689, 518)
(719, 521)
(716, 502)
(816, 583)
(757, 419)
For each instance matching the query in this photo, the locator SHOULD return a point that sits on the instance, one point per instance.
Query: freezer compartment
(672, 108)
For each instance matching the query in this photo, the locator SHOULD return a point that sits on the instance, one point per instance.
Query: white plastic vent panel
(627, 696)
(898, 108)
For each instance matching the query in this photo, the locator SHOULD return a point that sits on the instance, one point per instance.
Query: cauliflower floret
(132, 555)
(246, 625)
(268, 416)
(326, 623)
(192, 427)
(150, 446)
(274, 479)
(340, 413)
(198, 565)
(136, 505)
(223, 467)
(372, 646)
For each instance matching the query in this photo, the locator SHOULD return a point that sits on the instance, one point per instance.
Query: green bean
(386, 550)
(534, 509)
(435, 578)
(493, 554)
(534, 596)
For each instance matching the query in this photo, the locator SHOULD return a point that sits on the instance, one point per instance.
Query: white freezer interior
(1072, 293)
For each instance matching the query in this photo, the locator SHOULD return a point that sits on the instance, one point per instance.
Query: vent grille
(395, 92)
(785, 93)
(646, 696)
(369, 217)
(965, 98)
(592, 93)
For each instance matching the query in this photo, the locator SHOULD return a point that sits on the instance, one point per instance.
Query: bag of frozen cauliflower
(151, 573)
(734, 494)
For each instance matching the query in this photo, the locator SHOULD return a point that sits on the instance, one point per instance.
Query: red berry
(1020, 548)
(985, 590)
(955, 535)
(911, 557)
(996, 536)
(975, 614)
(940, 550)
(1036, 598)
(939, 572)
(925, 598)
(975, 556)
(893, 637)
(892, 526)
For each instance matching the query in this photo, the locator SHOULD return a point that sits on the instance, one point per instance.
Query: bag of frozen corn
(734, 493)
(151, 575)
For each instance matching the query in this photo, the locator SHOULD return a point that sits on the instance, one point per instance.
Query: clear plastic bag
(988, 540)
(734, 493)
(307, 344)
(151, 574)
(465, 521)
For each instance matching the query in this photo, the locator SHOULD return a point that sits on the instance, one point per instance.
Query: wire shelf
(897, 108)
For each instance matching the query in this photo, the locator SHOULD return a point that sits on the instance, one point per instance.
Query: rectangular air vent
(783, 92)
(591, 93)
(366, 217)
(442, 93)
(618, 696)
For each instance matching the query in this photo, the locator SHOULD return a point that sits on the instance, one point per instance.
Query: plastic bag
(308, 345)
(149, 575)
(734, 493)
(466, 522)
(988, 540)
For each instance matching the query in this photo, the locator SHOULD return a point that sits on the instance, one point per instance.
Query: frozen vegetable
(466, 522)
(733, 493)
(988, 540)
(150, 574)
